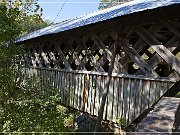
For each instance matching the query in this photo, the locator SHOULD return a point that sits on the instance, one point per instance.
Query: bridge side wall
(76, 64)
(149, 50)
(129, 96)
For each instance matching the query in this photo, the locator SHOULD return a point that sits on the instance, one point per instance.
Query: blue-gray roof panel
(99, 16)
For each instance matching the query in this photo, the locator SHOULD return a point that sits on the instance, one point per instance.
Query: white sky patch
(47, 17)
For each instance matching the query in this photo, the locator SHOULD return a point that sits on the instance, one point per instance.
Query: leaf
(37, 8)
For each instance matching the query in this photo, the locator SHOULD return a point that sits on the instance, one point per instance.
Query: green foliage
(20, 17)
(33, 108)
(32, 105)
(178, 95)
(120, 121)
(33, 23)
(110, 3)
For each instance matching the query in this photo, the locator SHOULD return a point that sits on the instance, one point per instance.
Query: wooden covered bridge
(74, 56)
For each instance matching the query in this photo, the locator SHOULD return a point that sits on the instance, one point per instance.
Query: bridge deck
(165, 117)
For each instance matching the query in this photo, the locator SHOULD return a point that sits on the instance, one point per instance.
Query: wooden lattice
(147, 52)
(150, 50)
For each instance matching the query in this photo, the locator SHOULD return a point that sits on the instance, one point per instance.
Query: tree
(21, 106)
(31, 24)
(109, 3)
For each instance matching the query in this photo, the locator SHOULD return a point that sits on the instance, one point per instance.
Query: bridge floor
(165, 117)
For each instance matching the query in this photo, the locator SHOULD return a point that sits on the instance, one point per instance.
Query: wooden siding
(128, 96)
(149, 50)
(75, 63)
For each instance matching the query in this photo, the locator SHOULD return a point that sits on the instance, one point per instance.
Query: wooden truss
(150, 50)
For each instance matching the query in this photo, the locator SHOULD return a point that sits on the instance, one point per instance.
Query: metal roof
(99, 16)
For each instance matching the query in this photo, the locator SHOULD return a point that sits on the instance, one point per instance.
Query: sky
(71, 9)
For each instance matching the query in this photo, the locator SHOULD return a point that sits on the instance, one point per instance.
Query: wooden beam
(74, 56)
(138, 46)
(173, 28)
(90, 56)
(105, 57)
(108, 53)
(175, 23)
(106, 90)
(154, 61)
(62, 57)
(159, 48)
(173, 90)
(148, 71)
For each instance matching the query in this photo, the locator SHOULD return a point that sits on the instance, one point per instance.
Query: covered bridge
(74, 56)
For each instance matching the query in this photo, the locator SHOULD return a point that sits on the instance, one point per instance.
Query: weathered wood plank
(74, 56)
(98, 93)
(79, 91)
(73, 89)
(111, 94)
(164, 79)
(139, 45)
(138, 60)
(152, 93)
(147, 94)
(96, 64)
(154, 61)
(156, 91)
(84, 92)
(125, 100)
(95, 110)
(139, 106)
(92, 94)
(45, 58)
(69, 89)
(158, 88)
(62, 57)
(60, 86)
(88, 93)
(131, 101)
(63, 88)
(115, 99)
(164, 87)
(120, 97)
(136, 92)
(108, 53)
(108, 107)
(105, 108)
(172, 28)
(159, 48)
(76, 91)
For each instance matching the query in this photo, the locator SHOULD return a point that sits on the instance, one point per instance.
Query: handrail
(129, 95)
(164, 79)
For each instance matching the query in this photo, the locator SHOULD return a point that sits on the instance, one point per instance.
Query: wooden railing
(128, 95)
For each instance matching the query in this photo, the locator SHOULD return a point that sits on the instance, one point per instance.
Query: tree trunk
(106, 90)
